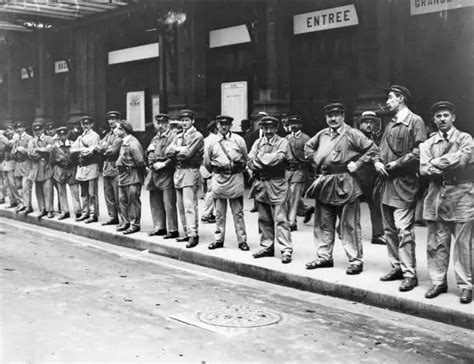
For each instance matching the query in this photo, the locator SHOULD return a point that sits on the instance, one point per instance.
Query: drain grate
(241, 315)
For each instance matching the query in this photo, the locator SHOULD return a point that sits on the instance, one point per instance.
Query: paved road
(65, 298)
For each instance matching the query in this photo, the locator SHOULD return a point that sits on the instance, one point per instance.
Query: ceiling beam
(37, 13)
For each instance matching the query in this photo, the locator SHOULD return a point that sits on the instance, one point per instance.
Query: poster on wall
(136, 110)
(155, 105)
(234, 102)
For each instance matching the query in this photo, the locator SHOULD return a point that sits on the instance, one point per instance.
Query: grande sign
(342, 16)
(418, 7)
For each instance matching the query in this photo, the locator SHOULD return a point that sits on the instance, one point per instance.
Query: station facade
(290, 55)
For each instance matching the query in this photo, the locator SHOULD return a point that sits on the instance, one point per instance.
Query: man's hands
(352, 167)
(158, 165)
(380, 168)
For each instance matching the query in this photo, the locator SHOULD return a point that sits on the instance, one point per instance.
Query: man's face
(223, 127)
(269, 130)
(444, 119)
(9, 132)
(50, 131)
(284, 121)
(112, 121)
(87, 126)
(62, 136)
(366, 126)
(20, 129)
(334, 119)
(162, 126)
(186, 122)
(119, 131)
(394, 101)
(295, 126)
(38, 132)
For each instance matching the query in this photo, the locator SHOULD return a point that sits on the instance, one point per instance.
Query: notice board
(136, 110)
(234, 102)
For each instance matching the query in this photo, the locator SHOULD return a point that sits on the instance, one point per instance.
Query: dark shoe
(183, 238)
(244, 246)
(293, 228)
(122, 227)
(193, 241)
(466, 296)
(394, 275)
(263, 253)
(82, 217)
(157, 232)
(20, 208)
(408, 284)
(50, 214)
(216, 245)
(27, 210)
(435, 291)
(208, 220)
(131, 230)
(379, 240)
(78, 215)
(91, 219)
(64, 215)
(286, 258)
(12, 205)
(171, 235)
(42, 213)
(320, 264)
(110, 222)
(308, 214)
(354, 269)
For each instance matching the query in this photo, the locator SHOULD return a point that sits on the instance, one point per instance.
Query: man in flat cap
(159, 181)
(370, 125)
(188, 149)
(63, 169)
(226, 158)
(297, 169)
(22, 167)
(336, 153)
(7, 140)
(41, 172)
(49, 129)
(447, 158)
(398, 165)
(208, 212)
(87, 173)
(267, 160)
(131, 168)
(109, 147)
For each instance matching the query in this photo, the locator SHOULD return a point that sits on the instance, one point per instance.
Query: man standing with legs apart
(41, 173)
(88, 170)
(267, 160)
(297, 170)
(226, 157)
(337, 152)
(398, 165)
(22, 167)
(109, 147)
(447, 159)
(188, 149)
(160, 181)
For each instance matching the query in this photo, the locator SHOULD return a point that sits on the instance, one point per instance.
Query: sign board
(418, 7)
(146, 51)
(228, 36)
(60, 67)
(340, 17)
(26, 72)
(136, 110)
(155, 105)
(234, 102)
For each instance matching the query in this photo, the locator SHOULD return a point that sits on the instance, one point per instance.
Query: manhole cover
(239, 316)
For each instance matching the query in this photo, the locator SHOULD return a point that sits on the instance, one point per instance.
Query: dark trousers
(111, 193)
(130, 204)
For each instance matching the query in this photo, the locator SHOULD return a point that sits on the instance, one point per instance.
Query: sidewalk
(364, 288)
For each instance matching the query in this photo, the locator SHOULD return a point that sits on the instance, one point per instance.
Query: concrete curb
(339, 290)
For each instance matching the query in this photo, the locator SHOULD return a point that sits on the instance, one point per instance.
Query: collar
(191, 130)
(87, 132)
(402, 116)
(439, 135)
(296, 135)
(127, 139)
(165, 134)
(341, 130)
(23, 135)
(227, 136)
(271, 141)
(41, 137)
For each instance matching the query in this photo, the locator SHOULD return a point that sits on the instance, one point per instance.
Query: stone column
(44, 82)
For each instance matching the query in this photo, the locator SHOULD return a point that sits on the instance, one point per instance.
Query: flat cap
(186, 113)
(49, 125)
(443, 105)
(334, 107)
(224, 119)
(86, 119)
(162, 117)
(113, 114)
(400, 89)
(125, 125)
(295, 119)
(284, 115)
(269, 120)
(62, 130)
(261, 114)
(369, 115)
(19, 124)
(37, 125)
